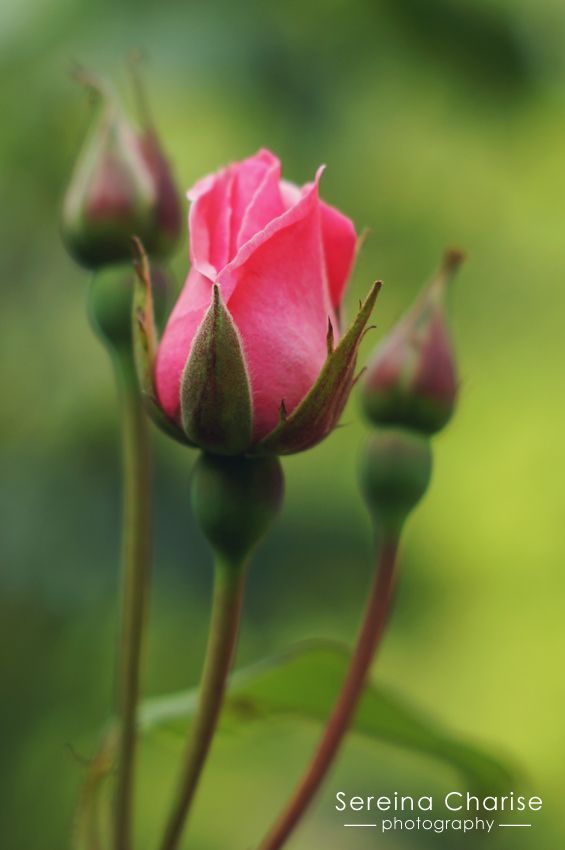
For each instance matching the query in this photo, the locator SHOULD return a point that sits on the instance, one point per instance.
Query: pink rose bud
(252, 357)
(412, 380)
(121, 187)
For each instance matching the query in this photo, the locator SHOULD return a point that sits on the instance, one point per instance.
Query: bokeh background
(441, 123)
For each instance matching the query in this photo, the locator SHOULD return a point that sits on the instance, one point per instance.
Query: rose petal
(291, 193)
(263, 205)
(176, 343)
(278, 297)
(340, 242)
(230, 207)
(339, 238)
(209, 223)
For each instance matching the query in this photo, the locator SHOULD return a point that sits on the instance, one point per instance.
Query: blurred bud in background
(109, 303)
(121, 186)
(412, 378)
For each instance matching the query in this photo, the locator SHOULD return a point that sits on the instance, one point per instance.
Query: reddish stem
(344, 710)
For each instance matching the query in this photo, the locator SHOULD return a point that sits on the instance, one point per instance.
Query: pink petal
(263, 205)
(278, 297)
(339, 237)
(230, 207)
(209, 223)
(340, 241)
(177, 339)
(291, 193)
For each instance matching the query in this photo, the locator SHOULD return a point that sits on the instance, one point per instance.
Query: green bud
(121, 187)
(395, 472)
(235, 500)
(110, 303)
(412, 379)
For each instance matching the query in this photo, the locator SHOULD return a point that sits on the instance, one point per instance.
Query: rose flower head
(121, 186)
(252, 359)
(412, 380)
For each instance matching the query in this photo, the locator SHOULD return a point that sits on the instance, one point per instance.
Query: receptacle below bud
(395, 471)
(235, 500)
(412, 379)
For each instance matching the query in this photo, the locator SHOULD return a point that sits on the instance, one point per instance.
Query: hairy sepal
(216, 404)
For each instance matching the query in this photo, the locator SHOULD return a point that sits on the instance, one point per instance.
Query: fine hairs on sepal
(216, 405)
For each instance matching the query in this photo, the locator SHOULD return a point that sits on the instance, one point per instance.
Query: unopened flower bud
(121, 187)
(412, 379)
(396, 468)
(253, 359)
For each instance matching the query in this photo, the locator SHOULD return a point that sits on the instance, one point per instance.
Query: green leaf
(304, 682)
(318, 413)
(301, 683)
(215, 392)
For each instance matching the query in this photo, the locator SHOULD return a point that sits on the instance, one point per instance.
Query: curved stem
(224, 626)
(136, 545)
(368, 642)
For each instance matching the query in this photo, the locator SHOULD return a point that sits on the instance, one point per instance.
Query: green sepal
(216, 406)
(144, 337)
(319, 412)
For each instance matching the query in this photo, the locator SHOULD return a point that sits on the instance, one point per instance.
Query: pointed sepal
(216, 405)
(319, 412)
(143, 321)
(144, 338)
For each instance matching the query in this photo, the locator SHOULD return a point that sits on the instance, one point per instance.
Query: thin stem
(136, 545)
(368, 642)
(224, 626)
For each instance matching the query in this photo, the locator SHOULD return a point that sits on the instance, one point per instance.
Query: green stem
(229, 583)
(136, 546)
(370, 635)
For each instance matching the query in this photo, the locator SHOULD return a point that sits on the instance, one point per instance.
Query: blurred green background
(441, 123)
